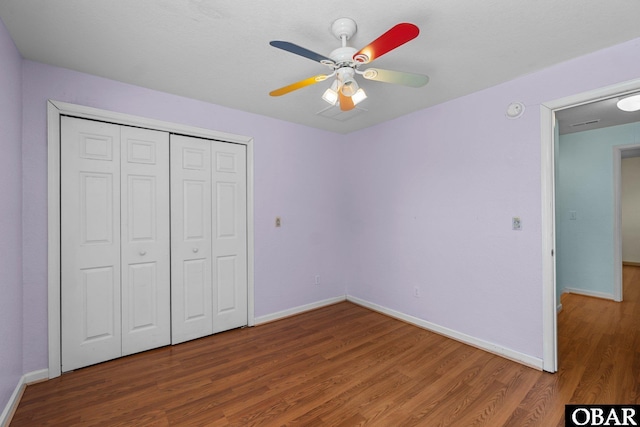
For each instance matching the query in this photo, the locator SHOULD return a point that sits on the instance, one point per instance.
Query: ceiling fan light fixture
(359, 96)
(345, 60)
(349, 87)
(331, 96)
(630, 103)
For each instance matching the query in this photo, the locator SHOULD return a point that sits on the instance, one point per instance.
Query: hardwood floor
(344, 365)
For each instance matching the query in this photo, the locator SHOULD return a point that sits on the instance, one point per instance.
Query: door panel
(145, 228)
(230, 236)
(191, 308)
(195, 290)
(99, 304)
(90, 244)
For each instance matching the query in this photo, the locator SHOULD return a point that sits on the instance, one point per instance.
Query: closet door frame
(56, 109)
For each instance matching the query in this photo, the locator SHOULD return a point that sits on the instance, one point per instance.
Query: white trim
(14, 400)
(617, 224)
(55, 109)
(549, 303)
(559, 308)
(250, 238)
(507, 353)
(549, 315)
(91, 113)
(36, 376)
(297, 310)
(12, 404)
(589, 293)
(53, 252)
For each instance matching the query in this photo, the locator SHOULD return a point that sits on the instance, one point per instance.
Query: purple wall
(296, 177)
(10, 218)
(433, 196)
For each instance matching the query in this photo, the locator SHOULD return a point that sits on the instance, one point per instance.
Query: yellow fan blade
(298, 85)
(346, 103)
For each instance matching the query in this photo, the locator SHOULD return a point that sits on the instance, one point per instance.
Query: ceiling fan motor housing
(343, 56)
(344, 27)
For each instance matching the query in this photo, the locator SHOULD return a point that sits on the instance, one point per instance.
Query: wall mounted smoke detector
(515, 110)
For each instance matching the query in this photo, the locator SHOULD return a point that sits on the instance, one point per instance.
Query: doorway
(549, 134)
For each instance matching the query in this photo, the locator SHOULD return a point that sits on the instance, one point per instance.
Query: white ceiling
(595, 115)
(218, 50)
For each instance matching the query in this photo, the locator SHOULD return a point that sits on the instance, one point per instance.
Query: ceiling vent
(335, 113)
(590, 122)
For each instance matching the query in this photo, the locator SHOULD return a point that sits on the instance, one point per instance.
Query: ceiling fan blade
(396, 77)
(346, 103)
(396, 36)
(298, 85)
(299, 50)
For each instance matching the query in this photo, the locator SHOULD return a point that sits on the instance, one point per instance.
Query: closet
(153, 239)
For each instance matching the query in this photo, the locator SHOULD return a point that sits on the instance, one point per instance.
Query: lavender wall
(432, 198)
(425, 200)
(10, 218)
(296, 177)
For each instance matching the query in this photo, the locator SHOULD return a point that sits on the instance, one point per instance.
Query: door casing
(56, 109)
(549, 304)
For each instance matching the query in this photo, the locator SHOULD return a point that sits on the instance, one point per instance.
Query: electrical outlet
(416, 292)
(317, 281)
(278, 221)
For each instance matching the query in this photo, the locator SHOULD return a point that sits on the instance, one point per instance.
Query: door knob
(195, 250)
(143, 253)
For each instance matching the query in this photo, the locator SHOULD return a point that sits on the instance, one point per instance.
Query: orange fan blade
(298, 85)
(396, 36)
(346, 103)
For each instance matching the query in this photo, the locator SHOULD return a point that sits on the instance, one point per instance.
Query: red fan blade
(396, 36)
(298, 85)
(346, 103)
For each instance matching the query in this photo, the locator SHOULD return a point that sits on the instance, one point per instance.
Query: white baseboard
(588, 293)
(297, 310)
(559, 308)
(507, 353)
(14, 400)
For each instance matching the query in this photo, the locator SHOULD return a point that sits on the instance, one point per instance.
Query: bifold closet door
(145, 242)
(209, 237)
(115, 288)
(90, 242)
(191, 310)
(229, 167)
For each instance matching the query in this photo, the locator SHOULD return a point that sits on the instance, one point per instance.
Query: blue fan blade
(298, 50)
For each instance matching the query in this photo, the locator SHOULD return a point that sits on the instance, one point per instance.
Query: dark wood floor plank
(344, 365)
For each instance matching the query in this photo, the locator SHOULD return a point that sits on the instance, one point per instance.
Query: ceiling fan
(345, 62)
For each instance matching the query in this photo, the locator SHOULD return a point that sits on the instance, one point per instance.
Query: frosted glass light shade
(359, 96)
(331, 96)
(630, 103)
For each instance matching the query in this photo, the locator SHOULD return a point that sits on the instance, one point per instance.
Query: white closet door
(90, 244)
(191, 292)
(146, 316)
(229, 236)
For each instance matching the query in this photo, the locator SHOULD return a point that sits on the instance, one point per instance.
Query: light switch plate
(516, 223)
